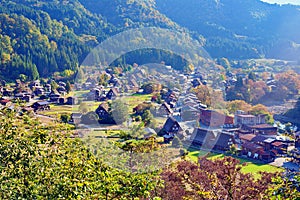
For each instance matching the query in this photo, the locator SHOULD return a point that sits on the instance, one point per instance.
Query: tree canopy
(39, 162)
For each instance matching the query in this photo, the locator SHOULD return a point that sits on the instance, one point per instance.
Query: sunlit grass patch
(249, 167)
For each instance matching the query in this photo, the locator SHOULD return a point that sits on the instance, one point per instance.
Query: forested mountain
(35, 44)
(239, 28)
(39, 37)
(130, 14)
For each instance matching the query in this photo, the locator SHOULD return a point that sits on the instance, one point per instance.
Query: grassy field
(95, 136)
(67, 109)
(135, 99)
(255, 168)
(131, 101)
(80, 93)
(57, 110)
(251, 167)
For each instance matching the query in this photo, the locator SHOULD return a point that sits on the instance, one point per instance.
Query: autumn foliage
(212, 179)
(284, 86)
(44, 162)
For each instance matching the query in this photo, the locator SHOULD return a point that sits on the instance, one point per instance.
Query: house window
(175, 128)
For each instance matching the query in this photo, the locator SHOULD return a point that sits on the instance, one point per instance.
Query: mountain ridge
(70, 29)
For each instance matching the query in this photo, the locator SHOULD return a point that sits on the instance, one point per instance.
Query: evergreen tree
(252, 76)
(34, 72)
(68, 87)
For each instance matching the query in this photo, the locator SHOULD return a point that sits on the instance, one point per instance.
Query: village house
(8, 92)
(75, 118)
(113, 79)
(169, 96)
(71, 101)
(5, 102)
(118, 83)
(91, 81)
(139, 77)
(263, 147)
(180, 101)
(104, 114)
(280, 147)
(296, 155)
(35, 84)
(102, 97)
(62, 84)
(3, 83)
(112, 94)
(296, 151)
(103, 110)
(127, 88)
(61, 90)
(97, 91)
(19, 96)
(27, 110)
(297, 139)
(212, 139)
(19, 83)
(264, 129)
(241, 118)
(48, 88)
(54, 96)
(133, 85)
(149, 133)
(244, 138)
(26, 98)
(41, 105)
(87, 86)
(196, 82)
(256, 151)
(182, 79)
(132, 76)
(93, 94)
(44, 97)
(189, 113)
(260, 139)
(39, 91)
(214, 119)
(61, 101)
(164, 110)
(170, 129)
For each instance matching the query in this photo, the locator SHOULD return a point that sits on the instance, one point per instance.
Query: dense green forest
(239, 28)
(38, 38)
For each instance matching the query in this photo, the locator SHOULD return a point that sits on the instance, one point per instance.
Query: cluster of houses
(231, 80)
(113, 86)
(296, 151)
(36, 96)
(249, 134)
(121, 85)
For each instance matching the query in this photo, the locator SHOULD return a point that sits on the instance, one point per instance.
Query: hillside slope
(239, 28)
(41, 37)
